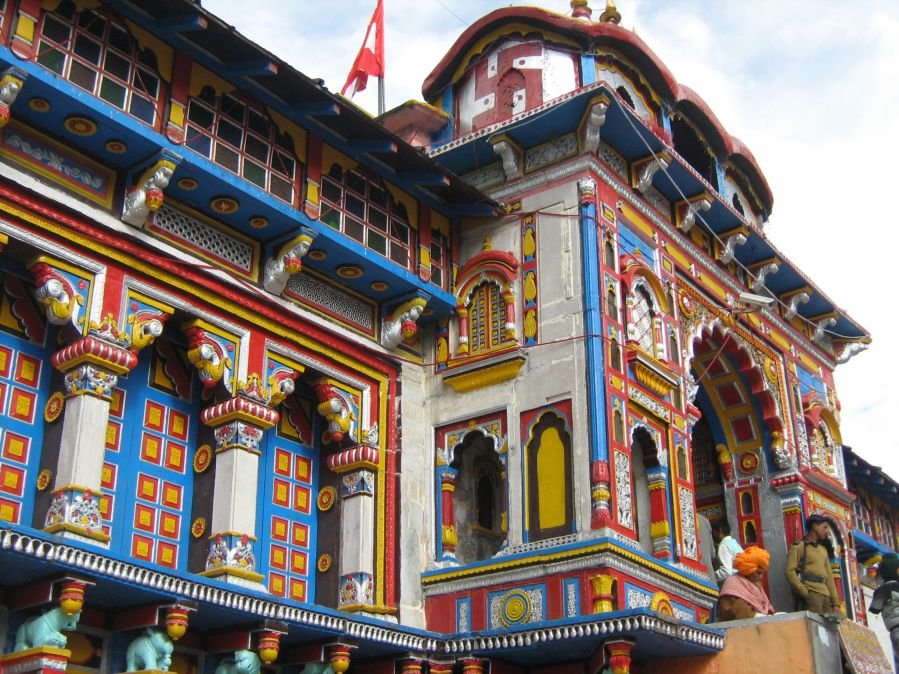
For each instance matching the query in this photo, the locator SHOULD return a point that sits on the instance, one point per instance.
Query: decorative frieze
(554, 151)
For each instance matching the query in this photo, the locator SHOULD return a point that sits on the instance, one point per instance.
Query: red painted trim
(251, 302)
(589, 35)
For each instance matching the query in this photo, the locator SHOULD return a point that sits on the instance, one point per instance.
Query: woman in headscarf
(742, 595)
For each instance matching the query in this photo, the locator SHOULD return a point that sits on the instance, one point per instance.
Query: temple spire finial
(611, 13)
(580, 9)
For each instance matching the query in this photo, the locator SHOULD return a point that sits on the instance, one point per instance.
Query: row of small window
(362, 209)
(102, 58)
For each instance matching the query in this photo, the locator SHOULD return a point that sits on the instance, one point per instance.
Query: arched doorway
(731, 443)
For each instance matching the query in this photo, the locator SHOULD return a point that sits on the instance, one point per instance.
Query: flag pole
(381, 105)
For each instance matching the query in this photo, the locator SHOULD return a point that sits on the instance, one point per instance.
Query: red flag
(370, 60)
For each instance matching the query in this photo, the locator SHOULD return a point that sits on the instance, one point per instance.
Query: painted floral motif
(242, 556)
(54, 407)
(56, 513)
(623, 489)
(56, 162)
(85, 511)
(198, 528)
(688, 522)
(44, 478)
(326, 498)
(356, 588)
(218, 553)
(202, 458)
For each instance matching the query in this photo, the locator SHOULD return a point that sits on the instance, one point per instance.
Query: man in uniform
(808, 569)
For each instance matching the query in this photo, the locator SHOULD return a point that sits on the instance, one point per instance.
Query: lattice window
(243, 140)
(642, 321)
(98, 54)
(487, 318)
(207, 238)
(364, 211)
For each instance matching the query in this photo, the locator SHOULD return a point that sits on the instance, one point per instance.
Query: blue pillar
(593, 343)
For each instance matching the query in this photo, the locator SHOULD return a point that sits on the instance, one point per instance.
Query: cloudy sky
(811, 86)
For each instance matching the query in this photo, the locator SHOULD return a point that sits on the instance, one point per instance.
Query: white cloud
(810, 88)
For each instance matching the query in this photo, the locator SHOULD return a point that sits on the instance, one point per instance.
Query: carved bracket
(11, 82)
(507, 150)
(690, 212)
(758, 283)
(144, 327)
(821, 328)
(730, 245)
(287, 261)
(208, 357)
(650, 168)
(795, 301)
(402, 322)
(594, 119)
(146, 195)
(335, 407)
(58, 294)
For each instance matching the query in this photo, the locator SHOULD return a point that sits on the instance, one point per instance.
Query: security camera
(758, 301)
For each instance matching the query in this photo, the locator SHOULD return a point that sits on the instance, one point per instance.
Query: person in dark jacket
(808, 569)
(886, 599)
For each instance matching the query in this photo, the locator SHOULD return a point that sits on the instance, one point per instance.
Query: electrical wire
(698, 215)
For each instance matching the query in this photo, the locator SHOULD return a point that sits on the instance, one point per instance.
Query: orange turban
(752, 559)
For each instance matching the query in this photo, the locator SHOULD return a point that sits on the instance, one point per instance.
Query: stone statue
(244, 662)
(46, 630)
(151, 650)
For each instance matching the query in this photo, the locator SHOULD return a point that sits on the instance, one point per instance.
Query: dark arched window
(610, 253)
(614, 355)
(611, 303)
(618, 426)
(626, 97)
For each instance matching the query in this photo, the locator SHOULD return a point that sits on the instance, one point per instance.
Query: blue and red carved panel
(23, 375)
(288, 484)
(146, 481)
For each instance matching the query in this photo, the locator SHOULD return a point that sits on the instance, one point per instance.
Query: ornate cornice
(582, 163)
